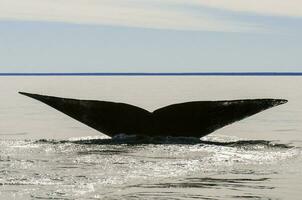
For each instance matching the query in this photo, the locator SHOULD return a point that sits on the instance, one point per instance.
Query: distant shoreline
(160, 74)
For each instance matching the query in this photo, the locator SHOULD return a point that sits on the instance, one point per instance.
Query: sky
(150, 36)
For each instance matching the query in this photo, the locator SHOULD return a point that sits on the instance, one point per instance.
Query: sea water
(44, 154)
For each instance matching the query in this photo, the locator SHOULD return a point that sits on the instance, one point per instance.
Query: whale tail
(190, 119)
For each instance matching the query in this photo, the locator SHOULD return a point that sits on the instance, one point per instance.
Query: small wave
(208, 182)
(244, 144)
(127, 140)
(13, 134)
(249, 144)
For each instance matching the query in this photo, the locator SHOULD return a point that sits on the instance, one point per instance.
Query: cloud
(288, 8)
(158, 14)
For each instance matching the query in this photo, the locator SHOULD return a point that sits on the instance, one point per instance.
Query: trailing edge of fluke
(190, 119)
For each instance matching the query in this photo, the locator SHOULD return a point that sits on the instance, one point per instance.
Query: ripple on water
(86, 167)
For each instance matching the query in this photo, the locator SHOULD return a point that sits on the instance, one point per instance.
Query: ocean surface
(47, 155)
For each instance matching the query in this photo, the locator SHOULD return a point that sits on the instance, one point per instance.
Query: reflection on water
(214, 168)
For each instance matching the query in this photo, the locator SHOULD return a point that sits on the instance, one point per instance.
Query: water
(46, 155)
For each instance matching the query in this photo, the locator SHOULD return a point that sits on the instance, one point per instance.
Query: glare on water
(44, 154)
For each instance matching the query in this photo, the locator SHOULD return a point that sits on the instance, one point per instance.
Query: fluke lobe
(190, 119)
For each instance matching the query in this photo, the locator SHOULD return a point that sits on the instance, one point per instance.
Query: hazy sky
(150, 35)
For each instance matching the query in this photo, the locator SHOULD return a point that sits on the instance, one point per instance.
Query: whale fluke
(190, 119)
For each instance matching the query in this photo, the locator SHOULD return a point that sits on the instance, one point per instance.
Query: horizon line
(152, 74)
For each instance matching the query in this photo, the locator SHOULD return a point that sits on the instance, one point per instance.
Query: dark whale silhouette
(190, 119)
